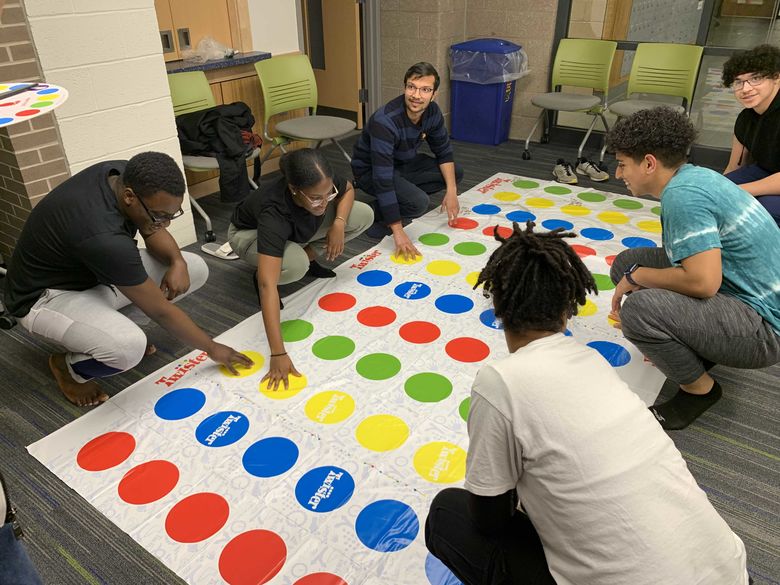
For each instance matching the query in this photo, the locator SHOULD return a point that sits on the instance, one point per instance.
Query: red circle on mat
(419, 332)
(467, 349)
(376, 316)
(337, 302)
(252, 558)
(321, 579)
(583, 251)
(610, 259)
(106, 451)
(464, 223)
(504, 232)
(27, 112)
(197, 517)
(148, 482)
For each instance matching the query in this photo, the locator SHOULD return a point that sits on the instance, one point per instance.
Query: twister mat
(329, 482)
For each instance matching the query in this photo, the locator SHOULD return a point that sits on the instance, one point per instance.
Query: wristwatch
(629, 271)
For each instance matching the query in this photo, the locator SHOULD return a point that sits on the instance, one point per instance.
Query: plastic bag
(485, 67)
(208, 50)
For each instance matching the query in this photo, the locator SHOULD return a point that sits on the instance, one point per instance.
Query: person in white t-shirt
(569, 478)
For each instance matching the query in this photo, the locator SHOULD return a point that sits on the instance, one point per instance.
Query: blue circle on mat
(486, 209)
(270, 457)
(520, 216)
(179, 404)
(637, 242)
(615, 354)
(553, 224)
(221, 429)
(374, 278)
(47, 91)
(568, 333)
(324, 489)
(17, 86)
(5, 121)
(387, 525)
(597, 234)
(489, 319)
(454, 304)
(412, 290)
(438, 573)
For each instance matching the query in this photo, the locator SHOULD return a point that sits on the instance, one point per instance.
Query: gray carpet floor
(733, 450)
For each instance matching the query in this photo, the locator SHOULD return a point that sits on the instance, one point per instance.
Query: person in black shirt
(77, 263)
(279, 227)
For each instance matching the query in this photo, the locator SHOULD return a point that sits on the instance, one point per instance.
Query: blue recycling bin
(483, 73)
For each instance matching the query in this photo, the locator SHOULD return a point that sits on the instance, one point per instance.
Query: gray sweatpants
(295, 262)
(676, 332)
(89, 326)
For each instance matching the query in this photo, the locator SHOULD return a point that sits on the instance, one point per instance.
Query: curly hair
(662, 132)
(422, 69)
(763, 60)
(536, 279)
(149, 172)
(305, 167)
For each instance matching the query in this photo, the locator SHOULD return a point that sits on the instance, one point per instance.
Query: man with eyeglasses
(754, 164)
(77, 263)
(387, 166)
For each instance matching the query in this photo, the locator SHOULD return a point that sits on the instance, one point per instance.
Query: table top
(237, 59)
(38, 100)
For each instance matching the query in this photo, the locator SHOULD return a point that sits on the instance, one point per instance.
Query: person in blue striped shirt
(386, 163)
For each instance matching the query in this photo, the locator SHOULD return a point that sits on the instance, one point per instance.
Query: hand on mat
(404, 247)
(451, 205)
(227, 356)
(622, 289)
(334, 241)
(176, 281)
(279, 370)
(616, 318)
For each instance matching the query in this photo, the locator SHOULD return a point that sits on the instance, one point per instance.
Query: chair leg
(604, 144)
(526, 152)
(585, 139)
(210, 237)
(341, 148)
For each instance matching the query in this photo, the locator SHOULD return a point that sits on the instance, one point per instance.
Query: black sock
(684, 408)
(318, 271)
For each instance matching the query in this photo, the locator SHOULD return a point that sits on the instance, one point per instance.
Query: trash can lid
(487, 46)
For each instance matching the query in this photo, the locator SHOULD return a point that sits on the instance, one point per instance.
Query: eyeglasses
(752, 82)
(160, 218)
(411, 89)
(319, 200)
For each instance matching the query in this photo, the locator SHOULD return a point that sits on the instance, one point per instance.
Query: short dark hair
(762, 60)
(536, 280)
(149, 172)
(422, 69)
(663, 132)
(305, 167)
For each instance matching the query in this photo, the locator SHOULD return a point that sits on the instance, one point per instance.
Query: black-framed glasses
(320, 200)
(160, 218)
(411, 89)
(754, 81)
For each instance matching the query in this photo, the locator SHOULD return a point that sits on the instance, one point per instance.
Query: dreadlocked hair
(536, 279)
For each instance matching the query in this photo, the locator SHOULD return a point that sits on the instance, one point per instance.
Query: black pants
(514, 559)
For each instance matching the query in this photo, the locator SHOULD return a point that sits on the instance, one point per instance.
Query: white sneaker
(592, 169)
(563, 173)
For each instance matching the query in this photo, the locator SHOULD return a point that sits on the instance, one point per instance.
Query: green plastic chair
(578, 63)
(288, 83)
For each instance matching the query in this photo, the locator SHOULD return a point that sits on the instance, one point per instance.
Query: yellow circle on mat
(382, 432)
(471, 278)
(402, 260)
(613, 217)
(244, 371)
(443, 267)
(441, 462)
(330, 407)
(649, 225)
(507, 196)
(539, 202)
(575, 210)
(588, 309)
(294, 385)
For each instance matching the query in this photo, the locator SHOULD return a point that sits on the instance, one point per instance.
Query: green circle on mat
(525, 184)
(378, 366)
(657, 210)
(428, 387)
(296, 329)
(592, 197)
(333, 347)
(603, 282)
(434, 239)
(41, 104)
(470, 248)
(557, 190)
(628, 204)
(463, 409)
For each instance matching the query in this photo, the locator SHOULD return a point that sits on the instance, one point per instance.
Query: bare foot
(86, 394)
(150, 349)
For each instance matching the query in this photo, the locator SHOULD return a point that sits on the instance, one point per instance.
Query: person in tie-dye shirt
(711, 294)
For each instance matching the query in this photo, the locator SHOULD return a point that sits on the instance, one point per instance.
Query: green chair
(288, 83)
(190, 92)
(578, 63)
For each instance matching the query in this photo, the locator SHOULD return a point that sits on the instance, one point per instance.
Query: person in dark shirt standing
(77, 263)
(386, 163)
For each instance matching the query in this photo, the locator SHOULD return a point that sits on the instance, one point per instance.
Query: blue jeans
(751, 173)
(16, 568)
